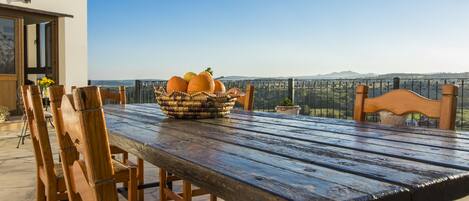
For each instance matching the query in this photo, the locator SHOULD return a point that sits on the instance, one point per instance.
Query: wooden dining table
(257, 156)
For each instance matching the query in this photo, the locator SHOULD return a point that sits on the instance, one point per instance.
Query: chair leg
(23, 131)
(213, 197)
(140, 177)
(186, 190)
(40, 190)
(51, 194)
(163, 177)
(169, 183)
(24, 135)
(51, 123)
(125, 160)
(132, 186)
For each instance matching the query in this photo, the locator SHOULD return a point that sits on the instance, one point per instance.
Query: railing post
(291, 89)
(396, 82)
(138, 90)
(89, 82)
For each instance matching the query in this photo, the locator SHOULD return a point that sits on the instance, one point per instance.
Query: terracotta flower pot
(291, 110)
(389, 118)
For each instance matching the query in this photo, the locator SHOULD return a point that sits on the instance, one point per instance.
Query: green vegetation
(209, 70)
(286, 102)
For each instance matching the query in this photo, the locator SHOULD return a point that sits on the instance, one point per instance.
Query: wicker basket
(200, 105)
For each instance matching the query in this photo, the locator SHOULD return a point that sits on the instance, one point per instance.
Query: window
(38, 49)
(7, 46)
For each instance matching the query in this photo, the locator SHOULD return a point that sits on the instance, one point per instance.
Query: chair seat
(119, 167)
(116, 150)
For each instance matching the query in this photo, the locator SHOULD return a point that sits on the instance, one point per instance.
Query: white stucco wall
(73, 39)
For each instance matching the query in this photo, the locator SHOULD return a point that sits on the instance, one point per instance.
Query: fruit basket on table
(200, 105)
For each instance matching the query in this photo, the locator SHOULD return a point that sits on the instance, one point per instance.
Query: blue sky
(160, 38)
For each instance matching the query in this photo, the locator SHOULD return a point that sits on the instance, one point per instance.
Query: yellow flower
(45, 82)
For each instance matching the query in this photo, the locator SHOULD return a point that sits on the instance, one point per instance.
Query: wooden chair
(247, 101)
(81, 130)
(109, 96)
(403, 101)
(50, 183)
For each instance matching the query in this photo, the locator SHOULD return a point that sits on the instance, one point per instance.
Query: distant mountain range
(355, 75)
(334, 75)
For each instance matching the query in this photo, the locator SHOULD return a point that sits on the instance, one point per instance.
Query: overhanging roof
(36, 11)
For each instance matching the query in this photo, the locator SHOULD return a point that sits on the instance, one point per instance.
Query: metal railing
(331, 98)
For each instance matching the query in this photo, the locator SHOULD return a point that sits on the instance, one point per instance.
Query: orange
(219, 87)
(176, 84)
(189, 75)
(201, 82)
(205, 73)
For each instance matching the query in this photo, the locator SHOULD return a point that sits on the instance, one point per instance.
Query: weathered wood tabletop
(266, 156)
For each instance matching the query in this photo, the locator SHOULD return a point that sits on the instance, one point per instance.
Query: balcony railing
(331, 98)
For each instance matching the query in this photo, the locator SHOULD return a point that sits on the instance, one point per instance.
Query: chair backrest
(403, 101)
(68, 151)
(247, 101)
(111, 96)
(82, 130)
(39, 134)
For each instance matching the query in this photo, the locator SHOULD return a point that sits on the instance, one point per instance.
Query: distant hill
(334, 75)
(355, 75)
(338, 75)
(425, 76)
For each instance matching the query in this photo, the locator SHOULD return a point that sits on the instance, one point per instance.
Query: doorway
(28, 52)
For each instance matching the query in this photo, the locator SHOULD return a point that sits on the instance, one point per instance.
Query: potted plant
(390, 118)
(4, 113)
(45, 83)
(287, 107)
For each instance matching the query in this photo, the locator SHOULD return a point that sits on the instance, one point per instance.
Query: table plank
(371, 126)
(334, 121)
(447, 157)
(452, 142)
(290, 152)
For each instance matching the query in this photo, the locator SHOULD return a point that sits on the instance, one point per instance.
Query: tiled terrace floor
(18, 170)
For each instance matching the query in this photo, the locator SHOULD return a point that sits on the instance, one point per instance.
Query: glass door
(9, 65)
